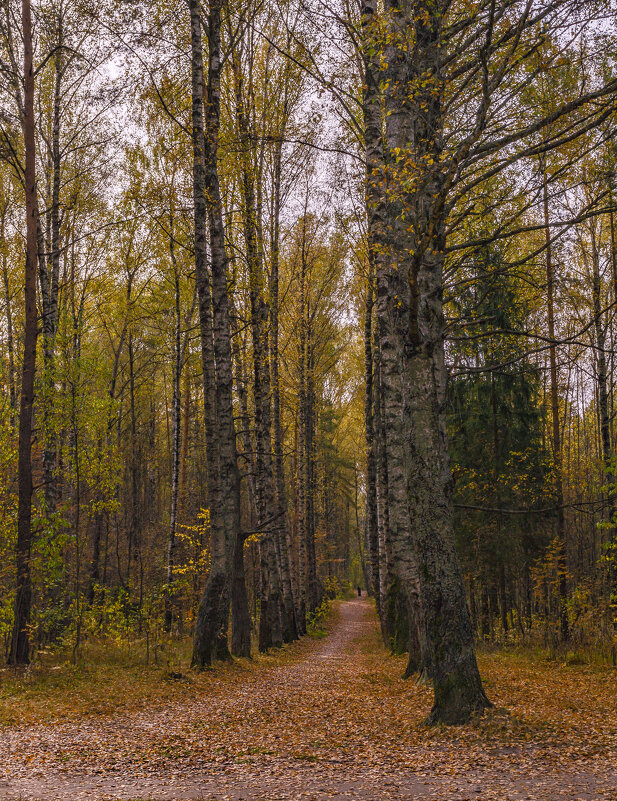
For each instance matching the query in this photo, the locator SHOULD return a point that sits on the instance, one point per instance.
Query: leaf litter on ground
(323, 718)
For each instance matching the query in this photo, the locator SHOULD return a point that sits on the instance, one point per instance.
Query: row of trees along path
(202, 331)
(328, 718)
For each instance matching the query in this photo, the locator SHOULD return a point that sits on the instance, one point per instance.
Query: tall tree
(211, 625)
(20, 642)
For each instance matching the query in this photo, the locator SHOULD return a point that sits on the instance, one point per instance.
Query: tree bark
(290, 630)
(212, 619)
(208, 624)
(176, 434)
(411, 226)
(612, 569)
(271, 620)
(20, 640)
(303, 603)
(9, 335)
(552, 353)
(240, 615)
(49, 274)
(399, 589)
(371, 466)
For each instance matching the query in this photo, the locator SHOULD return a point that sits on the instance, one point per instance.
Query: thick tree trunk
(20, 640)
(208, 624)
(409, 227)
(371, 112)
(210, 639)
(228, 464)
(397, 565)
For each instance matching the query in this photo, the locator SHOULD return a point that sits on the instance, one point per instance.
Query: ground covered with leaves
(324, 718)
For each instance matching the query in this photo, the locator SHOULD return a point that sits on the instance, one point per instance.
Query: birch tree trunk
(49, 274)
(210, 639)
(411, 226)
(394, 535)
(208, 624)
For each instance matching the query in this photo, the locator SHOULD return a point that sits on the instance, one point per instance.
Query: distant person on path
(359, 592)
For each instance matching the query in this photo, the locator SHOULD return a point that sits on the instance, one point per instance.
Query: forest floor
(324, 718)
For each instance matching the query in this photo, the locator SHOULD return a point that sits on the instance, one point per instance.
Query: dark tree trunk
(603, 391)
(371, 462)
(394, 596)
(552, 352)
(240, 616)
(600, 331)
(302, 601)
(612, 569)
(176, 415)
(290, 628)
(135, 467)
(20, 640)
(310, 482)
(94, 576)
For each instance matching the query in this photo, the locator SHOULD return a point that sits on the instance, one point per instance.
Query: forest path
(334, 721)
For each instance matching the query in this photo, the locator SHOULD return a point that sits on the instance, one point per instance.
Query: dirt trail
(326, 726)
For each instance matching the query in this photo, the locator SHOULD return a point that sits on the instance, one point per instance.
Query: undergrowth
(316, 625)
